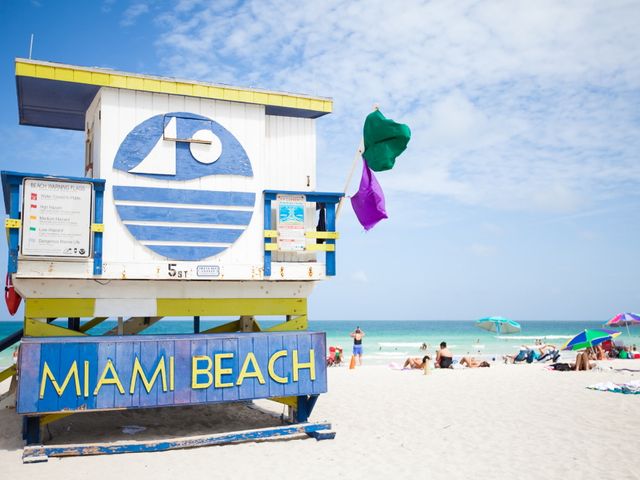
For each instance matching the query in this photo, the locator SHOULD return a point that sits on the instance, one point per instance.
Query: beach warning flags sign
(352, 363)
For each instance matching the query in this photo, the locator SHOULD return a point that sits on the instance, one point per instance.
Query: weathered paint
(40, 453)
(104, 373)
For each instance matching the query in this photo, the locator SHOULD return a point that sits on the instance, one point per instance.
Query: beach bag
(561, 367)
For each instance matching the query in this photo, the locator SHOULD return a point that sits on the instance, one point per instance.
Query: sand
(508, 421)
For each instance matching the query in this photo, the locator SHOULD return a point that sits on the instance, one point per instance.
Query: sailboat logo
(174, 222)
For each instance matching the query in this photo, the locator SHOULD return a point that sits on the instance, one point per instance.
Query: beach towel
(632, 387)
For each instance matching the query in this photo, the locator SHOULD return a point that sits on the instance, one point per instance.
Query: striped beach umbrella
(498, 325)
(624, 320)
(590, 338)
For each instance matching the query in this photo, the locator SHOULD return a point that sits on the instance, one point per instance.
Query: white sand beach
(508, 421)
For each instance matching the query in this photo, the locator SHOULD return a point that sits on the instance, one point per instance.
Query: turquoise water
(392, 341)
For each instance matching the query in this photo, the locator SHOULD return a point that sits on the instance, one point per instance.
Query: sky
(519, 192)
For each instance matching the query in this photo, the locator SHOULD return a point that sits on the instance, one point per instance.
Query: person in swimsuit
(357, 335)
(471, 362)
(416, 362)
(444, 358)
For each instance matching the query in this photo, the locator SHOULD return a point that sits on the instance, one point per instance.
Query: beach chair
(335, 356)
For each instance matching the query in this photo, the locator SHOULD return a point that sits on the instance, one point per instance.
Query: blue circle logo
(175, 222)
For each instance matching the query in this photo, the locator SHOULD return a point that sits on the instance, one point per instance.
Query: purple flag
(368, 202)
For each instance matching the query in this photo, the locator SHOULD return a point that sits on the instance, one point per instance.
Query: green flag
(384, 140)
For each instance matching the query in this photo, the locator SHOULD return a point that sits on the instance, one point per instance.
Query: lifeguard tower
(195, 199)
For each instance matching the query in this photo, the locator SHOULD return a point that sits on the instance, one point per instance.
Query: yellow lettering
(222, 371)
(251, 358)
(272, 361)
(148, 385)
(114, 380)
(86, 378)
(172, 374)
(196, 370)
(46, 373)
(297, 366)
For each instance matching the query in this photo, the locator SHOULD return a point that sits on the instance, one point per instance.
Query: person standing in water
(357, 335)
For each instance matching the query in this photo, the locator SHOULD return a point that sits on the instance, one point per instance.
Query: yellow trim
(289, 401)
(12, 223)
(97, 227)
(322, 247)
(132, 81)
(34, 328)
(59, 307)
(326, 235)
(188, 307)
(7, 372)
(271, 247)
(53, 417)
(298, 323)
(270, 234)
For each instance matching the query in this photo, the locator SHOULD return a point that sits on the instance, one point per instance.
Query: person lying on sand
(444, 358)
(583, 360)
(416, 362)
(520, 357)
(471, 362)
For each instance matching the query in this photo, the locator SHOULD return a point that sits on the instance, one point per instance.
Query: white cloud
(131, 14)
(512, 104)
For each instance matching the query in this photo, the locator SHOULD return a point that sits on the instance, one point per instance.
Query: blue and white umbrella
(498, 325)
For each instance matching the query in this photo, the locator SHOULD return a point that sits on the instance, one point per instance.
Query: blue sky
(519, 192)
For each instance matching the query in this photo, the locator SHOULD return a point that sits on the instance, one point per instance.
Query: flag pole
(356, 157)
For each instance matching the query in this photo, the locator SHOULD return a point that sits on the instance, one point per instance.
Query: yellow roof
(58, 95)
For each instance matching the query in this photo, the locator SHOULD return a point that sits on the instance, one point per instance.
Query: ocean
(394, 340)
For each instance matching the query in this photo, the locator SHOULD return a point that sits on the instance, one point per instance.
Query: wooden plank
(166, 350)
(92, 323)
(88, 352)
(124, 359)
(276, 389)
(261, 351)
(135, 325)
(289, 343)
(298, 323)
(318, 340)
(35, 328)
(182, 394)
(7, 372)
(230, 306)
(28, 385)
(42, 452)
(230, 394)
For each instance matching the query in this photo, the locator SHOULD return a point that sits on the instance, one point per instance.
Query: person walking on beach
(357, 335)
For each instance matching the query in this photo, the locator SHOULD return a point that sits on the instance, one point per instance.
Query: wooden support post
(246, 323)
(120, 326)
(31, 430)
(196, 324)
(73, 323)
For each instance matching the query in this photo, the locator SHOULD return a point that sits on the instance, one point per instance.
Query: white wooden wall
(282, 151)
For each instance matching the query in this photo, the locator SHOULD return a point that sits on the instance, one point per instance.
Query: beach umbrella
(498, 325)
(590, 338)
(624, 320)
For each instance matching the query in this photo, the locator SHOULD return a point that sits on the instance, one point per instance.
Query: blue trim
(185, 234)
(14, 233)
(11, 185)
(188, 215)
(197, 197)
(330, 257)
(305, 407)
(319, 197)
(330, 199)
(37, 453)
(267, 226)
(185, 253)
(97, 236)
